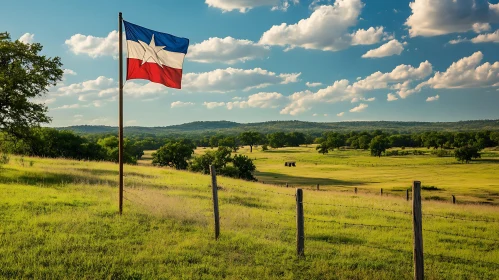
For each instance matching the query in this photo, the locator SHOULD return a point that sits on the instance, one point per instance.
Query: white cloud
(147, 90)
(94, 46)
(258, 100)
(326, 29)
(308, 84)
(227, 50)
(102, 121)
(69, 72)
(314, 115)
(78, 116)
(230, 79)
(432, 18)
(72, 106)
(432, 98)
(358, 99)
(480, 27)
(458, 41)
(360, 108)
(211, 105)
(303, 101)
(394, 47)
(131, 122)
(27, 38)
(245, 5)
(340, 114)
(487, 38)
(467, 73)
(325, 115)
(391, 97)
(180, 104)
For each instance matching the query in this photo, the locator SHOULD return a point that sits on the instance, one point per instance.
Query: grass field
(477, 182)
(58, 219)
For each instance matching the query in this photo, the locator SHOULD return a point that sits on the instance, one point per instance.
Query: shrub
(467, 153)
(442, 153)
(4, 158)
(265, 147)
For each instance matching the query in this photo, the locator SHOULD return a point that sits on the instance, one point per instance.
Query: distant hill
(228, 127)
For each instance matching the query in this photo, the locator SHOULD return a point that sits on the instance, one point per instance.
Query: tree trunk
(251, 148)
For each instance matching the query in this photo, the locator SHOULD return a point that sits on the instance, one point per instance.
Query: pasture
(58, 219)
(343, 170)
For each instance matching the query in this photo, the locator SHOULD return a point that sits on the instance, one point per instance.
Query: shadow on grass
(487, 160)
(329, 238)
(283, 152)
(282, 179)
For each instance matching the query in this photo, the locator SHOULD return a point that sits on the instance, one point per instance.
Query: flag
(155, 56)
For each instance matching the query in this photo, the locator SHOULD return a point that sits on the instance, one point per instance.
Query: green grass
(58, 219)
(477, 182)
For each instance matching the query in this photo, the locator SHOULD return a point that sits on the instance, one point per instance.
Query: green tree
(24, 76)
(277, 139)
(251, 138)
(467, 153)
(229, 142)
(364, 142)
(244, 166)
(322, 148)
(174, 154)
(378, 145)
(494, 137)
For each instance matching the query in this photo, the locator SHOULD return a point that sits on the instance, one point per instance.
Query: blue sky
(260, 60)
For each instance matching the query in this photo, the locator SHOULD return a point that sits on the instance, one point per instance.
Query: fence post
(214, 188)
(453, 199)
(355, 189)
(317, 186)
(300, 227)
(286, 185)
(381, 192)
(407, 194)
(417, 224)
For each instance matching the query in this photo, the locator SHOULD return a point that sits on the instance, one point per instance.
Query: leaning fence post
(300, 227)
(453, 199)
(407, 194)
(214, 188)
(417, 224)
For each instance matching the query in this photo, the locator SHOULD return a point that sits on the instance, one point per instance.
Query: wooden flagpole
(120, 44)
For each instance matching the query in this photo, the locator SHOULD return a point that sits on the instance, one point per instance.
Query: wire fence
(313, 221)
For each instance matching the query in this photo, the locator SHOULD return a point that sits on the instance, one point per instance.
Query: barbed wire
(269, 191)
(352, 224)
(461, 219)
(359, 207)
(460, 235)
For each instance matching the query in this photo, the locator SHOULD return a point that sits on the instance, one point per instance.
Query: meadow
(58, 219)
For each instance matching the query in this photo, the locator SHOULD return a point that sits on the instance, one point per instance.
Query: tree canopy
(25, 75)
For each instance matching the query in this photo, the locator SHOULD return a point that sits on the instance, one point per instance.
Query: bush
(265, 147)
(418, 153)
(245, 167)
(467, 153)
(4, 158)
(442, 153)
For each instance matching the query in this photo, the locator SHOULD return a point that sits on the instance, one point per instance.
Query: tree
(322, 148)
(174, 154)
(250, 138)
(24, 76)
(494, 137)
(229, 142)
(245, 167)
(467, 153)
(364, 142)
(378, 145)
(277, 140)
(295, 139)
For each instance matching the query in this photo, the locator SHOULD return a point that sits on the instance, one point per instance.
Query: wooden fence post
(355, 189)
(453, 199)
(381, 192)
(300, 227)
(417, 225)
(214, 188)
(286, 185)
(317, 186)
(407, 194)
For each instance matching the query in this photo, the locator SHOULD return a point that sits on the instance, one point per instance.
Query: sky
(263, 60)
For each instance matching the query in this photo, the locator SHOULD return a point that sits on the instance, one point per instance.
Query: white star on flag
(151, 51)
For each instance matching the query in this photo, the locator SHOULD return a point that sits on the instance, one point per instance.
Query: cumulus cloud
(27, 38)
(211, 105)
(226, 50)
(180, 104)
(358, 99)
(69, 106)
(467, 73)
(360, 108)
(326, 29)
(432, 18)
(487, 38)
(391, 97)
(325, 115)
(69, 72)
(94, 46)
(432, 98)
(340, 114)
(394, 47)
(245, 5)
(258, 100)
(230, 79)
(308, 84)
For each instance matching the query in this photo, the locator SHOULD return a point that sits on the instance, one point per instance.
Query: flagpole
(120, 44)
